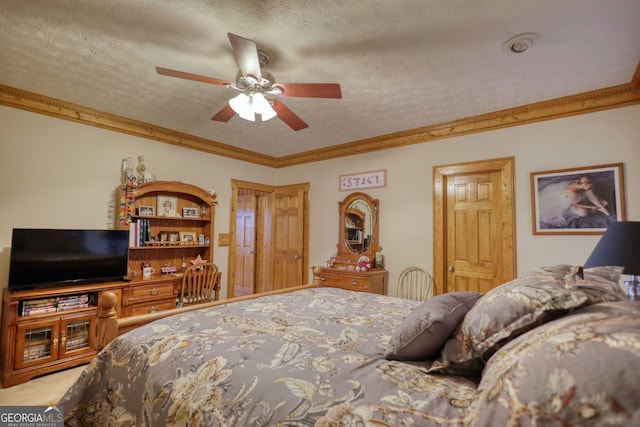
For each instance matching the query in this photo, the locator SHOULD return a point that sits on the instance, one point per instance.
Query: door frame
(441, 174)
(262, 258)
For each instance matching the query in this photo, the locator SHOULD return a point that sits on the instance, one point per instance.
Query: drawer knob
(152, 309)
(322, 278)
(154, 291)
(354, 282)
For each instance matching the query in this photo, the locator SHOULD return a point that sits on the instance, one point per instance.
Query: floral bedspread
(310, 357)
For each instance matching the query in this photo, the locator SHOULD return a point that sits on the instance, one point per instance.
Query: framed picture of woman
(578, 200)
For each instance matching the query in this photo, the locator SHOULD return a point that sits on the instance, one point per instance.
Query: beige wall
(406, 203)
(57, 174)
(61, 174)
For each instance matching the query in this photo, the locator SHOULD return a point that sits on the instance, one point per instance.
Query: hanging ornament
(128, 202)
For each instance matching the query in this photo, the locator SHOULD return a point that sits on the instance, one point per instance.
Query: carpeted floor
(45, 390)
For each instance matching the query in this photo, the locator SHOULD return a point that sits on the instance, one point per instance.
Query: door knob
(297, 257)
(451, 269)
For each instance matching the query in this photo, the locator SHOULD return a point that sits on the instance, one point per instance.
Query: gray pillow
(601, 284)
(422, 334)
(520, 305)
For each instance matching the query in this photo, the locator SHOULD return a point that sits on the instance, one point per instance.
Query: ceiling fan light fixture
(246, 106)
(241, 104)
(262, 107)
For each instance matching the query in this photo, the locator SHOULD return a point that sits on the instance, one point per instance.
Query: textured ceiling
(402, 64)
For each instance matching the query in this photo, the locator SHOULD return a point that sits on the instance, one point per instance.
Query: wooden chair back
(414, 283)
(199, 284)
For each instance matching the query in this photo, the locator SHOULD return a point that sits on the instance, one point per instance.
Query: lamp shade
(241, 104)
(618, 246)
(262, 107)
(248, 105)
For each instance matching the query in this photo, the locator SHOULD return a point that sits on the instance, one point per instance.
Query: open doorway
(269, 237)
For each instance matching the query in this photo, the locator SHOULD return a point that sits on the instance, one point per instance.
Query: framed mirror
(358, 228)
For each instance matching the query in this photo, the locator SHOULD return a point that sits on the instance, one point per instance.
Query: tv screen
(46, 257)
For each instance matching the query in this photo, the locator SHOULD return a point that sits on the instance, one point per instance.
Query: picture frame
(163, 236)
(146, 211)
(190, 212)
(187, 237)
(581, 200)
(167, 206)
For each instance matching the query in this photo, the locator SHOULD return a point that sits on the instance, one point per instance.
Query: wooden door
(474, 239)
(281, 228)
(245, 245)
(287, 262)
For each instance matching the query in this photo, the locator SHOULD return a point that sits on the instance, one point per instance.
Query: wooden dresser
(373, 281)
(150, 295)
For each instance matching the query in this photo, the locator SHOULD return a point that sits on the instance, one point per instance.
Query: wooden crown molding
(587, 102)
(65, 110)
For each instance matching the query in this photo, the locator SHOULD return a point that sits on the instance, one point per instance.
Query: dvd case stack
(48, 305)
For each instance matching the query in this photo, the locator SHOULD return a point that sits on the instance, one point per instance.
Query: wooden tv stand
(48, 341)
(44, 338)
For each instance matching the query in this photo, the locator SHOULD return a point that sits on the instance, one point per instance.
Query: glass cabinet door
(76, 334)
(36, 343)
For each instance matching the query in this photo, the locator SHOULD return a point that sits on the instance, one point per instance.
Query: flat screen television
(55, 257)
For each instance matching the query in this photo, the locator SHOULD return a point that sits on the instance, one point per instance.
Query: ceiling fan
(254, 83)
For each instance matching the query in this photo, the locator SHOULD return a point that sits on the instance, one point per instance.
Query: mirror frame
(344, 256)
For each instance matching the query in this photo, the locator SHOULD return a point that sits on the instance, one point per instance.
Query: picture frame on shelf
(146, 211)
(167, 206)
(174, 237)
(190, 212)
(582, 200)
(188, 237)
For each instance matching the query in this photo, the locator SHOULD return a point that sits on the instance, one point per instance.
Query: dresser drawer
(151, 292)
(152, 307)
(346, 281)
(373, 281)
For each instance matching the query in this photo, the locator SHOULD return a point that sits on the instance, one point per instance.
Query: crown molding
(36, 103)
(587, 102)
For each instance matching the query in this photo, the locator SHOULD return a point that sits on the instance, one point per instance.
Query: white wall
(56, 173)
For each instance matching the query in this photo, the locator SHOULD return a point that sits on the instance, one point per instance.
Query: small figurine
(331, 261)
(363, 263)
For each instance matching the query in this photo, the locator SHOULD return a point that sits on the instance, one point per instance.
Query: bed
(322, 356)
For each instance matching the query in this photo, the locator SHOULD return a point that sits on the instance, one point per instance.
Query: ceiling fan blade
(225, 114)
(189, 76)
(310, 90)
(288, 116)
(246, 54)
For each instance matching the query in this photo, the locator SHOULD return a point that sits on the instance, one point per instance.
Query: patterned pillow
(424, 331)
(507, 311)
(582, 369)
(601, 284)
(518, 306)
